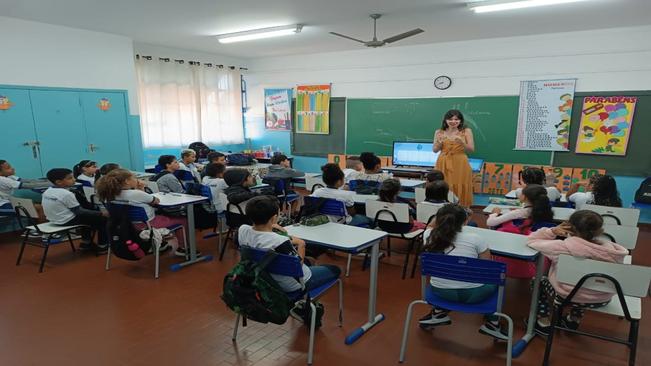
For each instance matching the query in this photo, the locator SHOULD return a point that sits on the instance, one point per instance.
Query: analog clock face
(442, 82)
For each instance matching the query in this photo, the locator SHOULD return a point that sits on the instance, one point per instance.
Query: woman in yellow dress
(453, 140)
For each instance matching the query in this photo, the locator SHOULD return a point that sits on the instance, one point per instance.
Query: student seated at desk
(166, 180)
(188, 163)
(577, 237)
(353, 166)
(105, 169)
(599, 190)
(333, 177)
(122, 185)
(436, 175)
(214, 178)
(239, 183)
(62, 208)
(9, 183)
(84, 172)
(216, 157)
(389, 192)
(446, 236)
(280, 169)
(267, 234)
(372, 169)
(536, 176)
(437, 192)
(537, 209)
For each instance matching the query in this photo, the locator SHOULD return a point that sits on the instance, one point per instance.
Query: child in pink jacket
(579, 238)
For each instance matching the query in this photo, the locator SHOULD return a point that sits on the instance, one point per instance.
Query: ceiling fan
(379, 43)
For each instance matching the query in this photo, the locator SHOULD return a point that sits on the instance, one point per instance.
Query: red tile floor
(76, 313)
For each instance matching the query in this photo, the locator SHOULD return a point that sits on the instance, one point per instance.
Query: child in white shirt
(214, 178)
(599, 190)
(188, 162)
(536, 209)
(85, 172)
(436, 175)
(372, 169)
(536, 176)
(353, 166)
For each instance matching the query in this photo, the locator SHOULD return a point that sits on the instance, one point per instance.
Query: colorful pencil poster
(605, 125)
(277, 109)
(313, 109)
(545, 114)
(497, 178)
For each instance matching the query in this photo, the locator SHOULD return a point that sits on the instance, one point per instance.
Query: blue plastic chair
(185, 177)
(287, 265)
(138, 215)
(158, 168)
(280, 188)
(328, 206)
(205, 191)
(463, 269)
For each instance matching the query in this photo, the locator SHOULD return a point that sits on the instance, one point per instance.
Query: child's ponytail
(449, 221)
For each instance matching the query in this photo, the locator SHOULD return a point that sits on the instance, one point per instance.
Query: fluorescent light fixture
(260, 33)
(489, 6)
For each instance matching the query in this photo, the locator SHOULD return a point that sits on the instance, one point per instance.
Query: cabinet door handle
(91, 148)
(34, 151)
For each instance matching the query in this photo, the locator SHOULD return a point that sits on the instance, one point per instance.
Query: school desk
(348, 239)
(560, 213)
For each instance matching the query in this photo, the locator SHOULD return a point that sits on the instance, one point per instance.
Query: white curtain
(182, 103)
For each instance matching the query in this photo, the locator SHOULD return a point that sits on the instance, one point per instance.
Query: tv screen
(414, 154)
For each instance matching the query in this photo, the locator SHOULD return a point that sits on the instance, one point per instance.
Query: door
(18, 145)
(106, 121)
(59, 128)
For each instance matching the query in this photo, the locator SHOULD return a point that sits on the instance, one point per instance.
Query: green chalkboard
(322, 145)
(373, 125)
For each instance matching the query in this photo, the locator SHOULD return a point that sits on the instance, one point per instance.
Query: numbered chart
(580, 174)
(562, 178)
(338, 159)
(497, 178)
(476, 182)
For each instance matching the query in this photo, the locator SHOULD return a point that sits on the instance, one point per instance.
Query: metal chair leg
(341, 302)
(22, 249)
(632, 338)
(509, 345)
(388, 246)
(223, 247)
(417, 250)
(350, 258)
(157, 260)
(108, 258)
(405, 329)
(47, 247)
(556, 317)
(237, 324)
(72, 245)
(410, 248)
(310, 349)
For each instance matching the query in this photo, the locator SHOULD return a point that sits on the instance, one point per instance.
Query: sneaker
(54, 238)
(165, 246)
(493, 330)
(86, 246)
(435, 318)
(541, 330)
(298, 311)
(568, 323)
(33, 234)
(100, 249)
(180, 252)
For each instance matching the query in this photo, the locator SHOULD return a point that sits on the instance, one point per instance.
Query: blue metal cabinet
(105, 117)
(59, 124)
(19, 142)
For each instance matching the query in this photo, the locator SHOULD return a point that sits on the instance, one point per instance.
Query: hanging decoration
(278, 109)
(313, 109)
(104, 104)
(605, 125)
(5, 103)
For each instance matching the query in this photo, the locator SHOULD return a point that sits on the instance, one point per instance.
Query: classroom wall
(39, 54)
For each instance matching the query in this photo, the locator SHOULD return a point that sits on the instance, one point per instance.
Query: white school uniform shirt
(348, 174)
(552, 193)
(58, 204)
(86, 178)
(580, 199)
(192, 168)
(466, 244)
(347, 197)
(7, 186)
(249, 237)
(520, 213)
(136, 197)
(375, 177)
(217, 186)
(452, 198)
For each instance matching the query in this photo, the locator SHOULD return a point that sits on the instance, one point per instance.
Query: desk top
(507, 244)
(362, 198)
(177, 199)
(337, 236)
(260, 186)
(560, 213)
(513, 196)
(411, 183)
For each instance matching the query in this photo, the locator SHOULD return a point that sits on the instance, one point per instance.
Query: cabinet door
(59, 128)
(105, 118)
(18, 145)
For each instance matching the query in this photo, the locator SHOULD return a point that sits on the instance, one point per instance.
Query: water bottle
(135, 249)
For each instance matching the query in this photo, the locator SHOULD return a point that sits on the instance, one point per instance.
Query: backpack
(122, 230)
(250, 291)
(201, 149)
(366, 187)
(205, 217)
(240, 159)
(643, 194)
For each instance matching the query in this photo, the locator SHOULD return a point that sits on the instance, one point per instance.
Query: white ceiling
(189, 24)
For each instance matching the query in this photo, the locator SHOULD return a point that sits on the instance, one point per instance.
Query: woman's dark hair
(604, 190)
(533, 176)
(586, 224)
(437, 191)
(389, 190)
(449, 221)
(77, 170)
(214, 169)
(332, 173)
(452, 113)
(369, 160)
(434, 175)
(541, 209)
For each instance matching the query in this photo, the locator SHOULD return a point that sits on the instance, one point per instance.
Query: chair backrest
(283, 264)
(28, 211)
(158, 168)
(136, 213)
(311, 183)
(236, 214)
(153, 186)
(328, 206)
(426, 211)
(633, 280)
(464, 269)
(387, 211)
(616, 215)
(625, 236)
(419, 194)
(184, 176)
